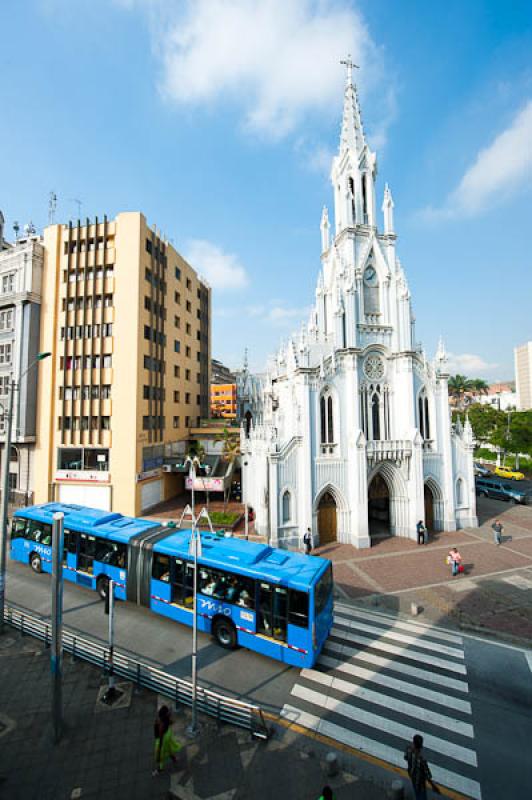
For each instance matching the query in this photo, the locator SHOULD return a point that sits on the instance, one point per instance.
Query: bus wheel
(102, 587)
(35, 563)
(224, 632)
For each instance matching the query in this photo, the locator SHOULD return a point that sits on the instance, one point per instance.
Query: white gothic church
(353, 437)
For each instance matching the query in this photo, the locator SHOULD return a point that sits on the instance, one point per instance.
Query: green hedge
(224, 517)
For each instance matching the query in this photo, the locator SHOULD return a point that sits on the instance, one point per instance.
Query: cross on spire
(348, 64)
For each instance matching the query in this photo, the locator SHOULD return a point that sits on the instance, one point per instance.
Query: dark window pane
(298, 609)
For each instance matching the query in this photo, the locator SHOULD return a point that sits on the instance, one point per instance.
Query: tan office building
(523, 376)
(127, 320)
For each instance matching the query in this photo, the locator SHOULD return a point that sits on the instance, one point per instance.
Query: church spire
(352, 135)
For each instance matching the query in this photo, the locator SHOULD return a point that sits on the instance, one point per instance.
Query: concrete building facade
(523, 376)
(127, 320)
(352, 435)
(21, 270)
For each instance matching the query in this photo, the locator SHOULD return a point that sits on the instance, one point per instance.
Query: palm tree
(230, 452)
(458, 386)
(480, 386)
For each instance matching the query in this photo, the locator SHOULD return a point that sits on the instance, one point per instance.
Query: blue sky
(218, 119)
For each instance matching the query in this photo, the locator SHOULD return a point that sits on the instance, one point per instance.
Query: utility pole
(56, 655)
(111, 694)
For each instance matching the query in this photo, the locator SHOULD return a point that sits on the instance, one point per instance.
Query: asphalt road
(499, 677)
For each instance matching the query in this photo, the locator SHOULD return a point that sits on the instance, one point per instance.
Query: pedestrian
(421, 531)
(166, 746)
(455, 560)
(418, 768)
(326, 793)
(307, 541)
(497, 529)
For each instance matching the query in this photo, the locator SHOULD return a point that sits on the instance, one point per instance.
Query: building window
(189, 283)
(188, 328)
(176, 422)
(326, 419)
(8, 283)
(187, 422)
(423, 415)
(459, 492)
(106, 423)
(187, 374)
(5, 353)
(187, 351)
(177, 346)
(176, 397)
(177, 298)
(4, 384)
(287, 502)
(177, 371)
(187, 397)
(6, 320)
(177, 321)
(189, 305)
(178, 273)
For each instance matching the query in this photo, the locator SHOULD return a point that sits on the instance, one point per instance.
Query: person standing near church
(497, 529)
(307, 541)
(421, 532)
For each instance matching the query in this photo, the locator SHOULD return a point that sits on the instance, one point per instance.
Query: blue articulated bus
(273, 601)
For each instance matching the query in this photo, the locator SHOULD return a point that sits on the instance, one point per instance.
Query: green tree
(458, 386)
(479, 386)
(487, 423)
(230, 452)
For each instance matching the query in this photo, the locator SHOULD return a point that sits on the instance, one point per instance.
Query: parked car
(506, 472)
(480, 469)
(502, 491)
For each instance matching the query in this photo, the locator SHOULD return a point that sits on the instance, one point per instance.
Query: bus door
(70, 554)
(271, 617)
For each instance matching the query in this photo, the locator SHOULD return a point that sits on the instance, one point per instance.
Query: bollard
(397, 790)
(331, 765)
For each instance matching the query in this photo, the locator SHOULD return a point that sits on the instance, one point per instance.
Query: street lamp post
(14, 386)
(193, 730)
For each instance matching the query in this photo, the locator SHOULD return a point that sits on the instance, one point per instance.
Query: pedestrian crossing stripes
(378, 681)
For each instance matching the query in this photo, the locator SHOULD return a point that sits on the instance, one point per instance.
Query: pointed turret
(387, 208)
(352, 135)
(324, 226)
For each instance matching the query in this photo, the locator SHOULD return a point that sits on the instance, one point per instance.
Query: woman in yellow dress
(166, 745)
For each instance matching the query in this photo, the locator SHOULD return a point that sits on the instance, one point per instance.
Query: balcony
(388, 450)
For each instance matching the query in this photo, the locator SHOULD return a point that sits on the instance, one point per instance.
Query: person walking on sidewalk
(455, 560)
(421, 532)
(307, 541)
(326, 793)
(418, 768)
(497, 529)
(166, 746)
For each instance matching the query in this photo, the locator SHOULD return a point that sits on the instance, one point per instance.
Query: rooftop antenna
(16, 228)
(52, 206)
(78, 203)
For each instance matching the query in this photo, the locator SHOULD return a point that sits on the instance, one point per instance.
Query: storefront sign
(205, 484)
(87, 475)
(149, 473)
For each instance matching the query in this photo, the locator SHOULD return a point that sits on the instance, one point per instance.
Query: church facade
(351, 435)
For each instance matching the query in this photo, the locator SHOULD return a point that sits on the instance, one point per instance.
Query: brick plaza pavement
(492, 596)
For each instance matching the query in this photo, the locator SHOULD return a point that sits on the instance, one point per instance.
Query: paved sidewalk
(493, 596)
(108, 753)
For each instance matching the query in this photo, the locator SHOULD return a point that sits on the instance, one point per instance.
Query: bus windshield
(323, 590)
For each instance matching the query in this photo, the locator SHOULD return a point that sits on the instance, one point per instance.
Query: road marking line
(528, 656)
(442, 698)
(405, 652)
(381, 751)
(397, 623)
(401, 637)
(397, 666)
(356, 692)
(380, 723)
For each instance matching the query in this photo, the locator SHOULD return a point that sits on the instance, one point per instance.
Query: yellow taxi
(506, 472)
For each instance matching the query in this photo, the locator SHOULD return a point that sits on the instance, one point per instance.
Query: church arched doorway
(429, 508)
(248, 417)
(327, 519)
(379, 508)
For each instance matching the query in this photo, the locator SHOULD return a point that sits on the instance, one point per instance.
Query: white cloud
(499, 170)
(468, 364)
(221, 270)
(276, 314)
(276, 60)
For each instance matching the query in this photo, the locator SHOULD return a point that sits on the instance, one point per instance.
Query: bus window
(213, 583)
(245, 592)
(188, 594)
(69, 543)
(323, 590)
(87, 552)
(18, 528)
(161, 568)
(298, 608)
(39, 532)
(272, 611)
(177, 581)
(110, 553)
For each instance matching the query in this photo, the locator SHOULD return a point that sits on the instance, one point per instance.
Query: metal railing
(223, 708)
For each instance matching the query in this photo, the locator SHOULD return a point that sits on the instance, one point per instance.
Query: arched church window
(287, 502)
(371, 289)
(459, 492)
(375, 416)
(351, 185)
(423, 415)
(365, 198)
(327, 422)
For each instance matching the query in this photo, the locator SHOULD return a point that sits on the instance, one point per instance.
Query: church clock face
(370, 276)
(374, 368)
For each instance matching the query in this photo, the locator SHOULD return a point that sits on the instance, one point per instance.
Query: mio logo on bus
(212, 607)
